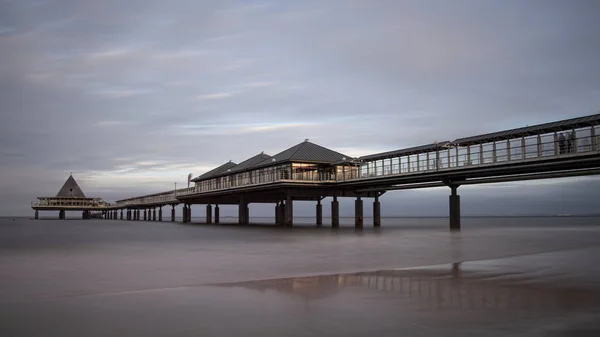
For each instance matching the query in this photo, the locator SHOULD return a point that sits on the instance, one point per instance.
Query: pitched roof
(305, 152)
(70, 189)
(563, 125)
(251, 162)
(406, 152)
(215, 172)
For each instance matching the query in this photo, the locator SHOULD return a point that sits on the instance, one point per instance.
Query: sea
(497, 276)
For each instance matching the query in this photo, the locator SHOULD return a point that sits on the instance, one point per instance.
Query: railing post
(556, 148)
(418, 163)
(457, 161)
(481, 154)
(469, 155)
(427, 157)
(494, 158)
(399, 164)
(523, 149)
(594, 141)
(408, 158)
(575, 141)
(508, 150)
(539, 146)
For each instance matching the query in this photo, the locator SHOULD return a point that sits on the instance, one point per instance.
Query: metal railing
(47, 203)
(481, 155)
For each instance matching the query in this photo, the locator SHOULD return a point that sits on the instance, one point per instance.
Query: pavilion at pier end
(70, 198)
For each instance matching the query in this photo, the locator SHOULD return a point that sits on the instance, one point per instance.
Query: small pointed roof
(306, 152)
(70, 189)
(251, 162)
(215, 172)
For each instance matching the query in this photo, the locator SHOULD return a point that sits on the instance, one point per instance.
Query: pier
(310, 172)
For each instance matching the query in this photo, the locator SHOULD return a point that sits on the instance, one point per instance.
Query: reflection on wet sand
(450, 288)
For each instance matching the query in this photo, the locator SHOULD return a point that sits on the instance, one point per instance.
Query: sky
(131, 96)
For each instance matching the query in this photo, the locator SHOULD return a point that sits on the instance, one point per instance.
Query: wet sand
(503, 277)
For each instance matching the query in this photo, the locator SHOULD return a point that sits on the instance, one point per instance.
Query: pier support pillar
(145, 214)
(116, 214)
(335, 213)
(134, 214)
(289, 211)
(319, 213)
(172, 213)
(121, 214)
(358, 213)
(61, 215)
(277, 220)
(454, 208)
(217, 213)
(138, 214)
(209, 214)
(37, 215)
(247, 214)
(376, 212)
(282, 213)
(189, 213)
(128, 216)
(159, 213)
(184, 214)
(242, 207)
(153, 213)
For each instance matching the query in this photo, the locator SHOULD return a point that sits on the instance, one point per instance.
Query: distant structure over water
(70, 198)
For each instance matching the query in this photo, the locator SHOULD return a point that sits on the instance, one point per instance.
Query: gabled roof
(70, 189)
(406, 152)
(250, 162)
(305, 152)
(533, 130)
(215, 172)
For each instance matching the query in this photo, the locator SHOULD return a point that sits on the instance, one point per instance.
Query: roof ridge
(300, 146)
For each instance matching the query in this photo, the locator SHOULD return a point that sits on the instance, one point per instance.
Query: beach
(532, 276)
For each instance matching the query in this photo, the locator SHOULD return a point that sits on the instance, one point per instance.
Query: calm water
(412, 277)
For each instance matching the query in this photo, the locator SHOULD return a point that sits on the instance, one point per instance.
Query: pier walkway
(308, 171)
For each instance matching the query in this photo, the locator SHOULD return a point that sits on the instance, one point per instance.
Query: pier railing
(70, 203)
(160, 198)
(455, 156)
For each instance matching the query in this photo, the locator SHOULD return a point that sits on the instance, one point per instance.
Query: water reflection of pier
(449, 289)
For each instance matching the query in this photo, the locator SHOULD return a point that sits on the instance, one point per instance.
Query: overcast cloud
(131, 96)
